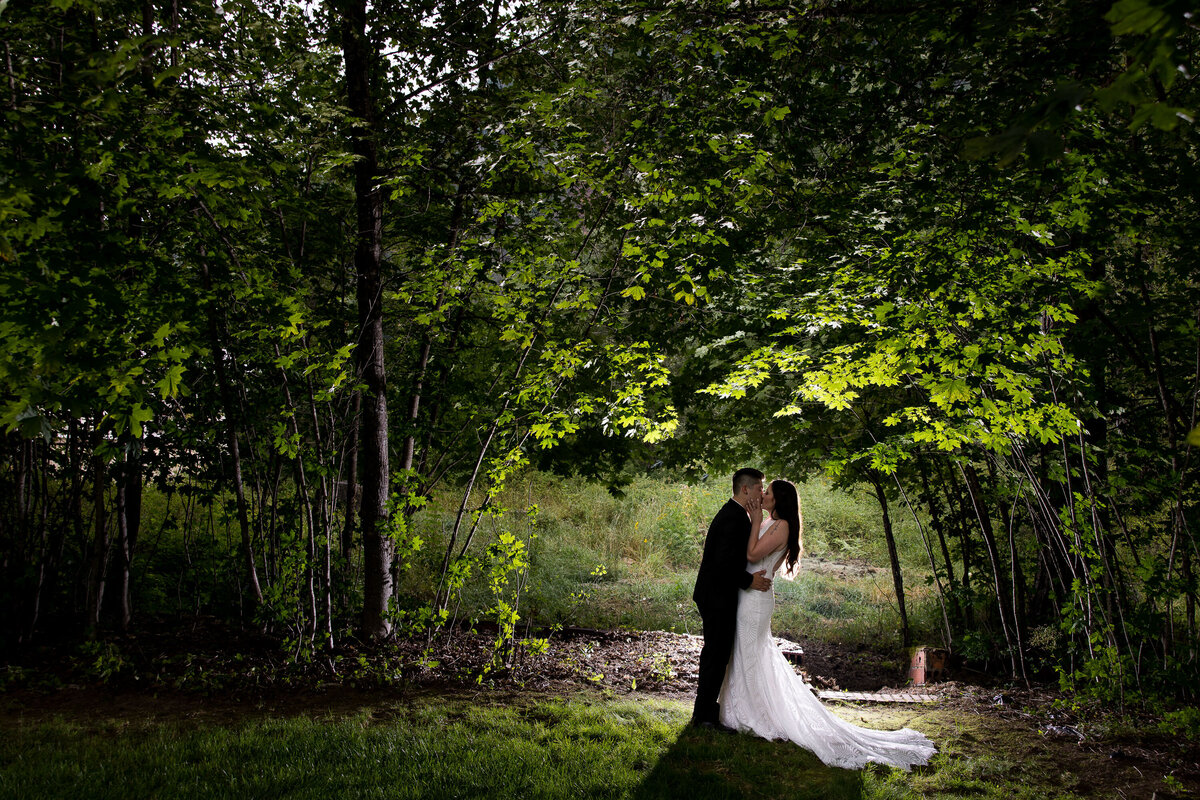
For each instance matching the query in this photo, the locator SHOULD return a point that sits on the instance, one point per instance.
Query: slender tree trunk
(323, 517)
(368, 258)
(124, 548)
(1190, 600)
(21, 486)
(12, 80)
(961, 526)
(893, 556)
(989, 542)
(1016, 598)
(414, 408)
(13, 543)
(229, 401)
(947, 632)
(41, 561)
(98, 562)
(308, 595)
(129, 521)
(351, 496)
(937, 520)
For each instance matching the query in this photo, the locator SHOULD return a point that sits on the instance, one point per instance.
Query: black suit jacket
(723, 565)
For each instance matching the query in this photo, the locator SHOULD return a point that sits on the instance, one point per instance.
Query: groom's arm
(749, 580)
(735, 532)
(740, 535)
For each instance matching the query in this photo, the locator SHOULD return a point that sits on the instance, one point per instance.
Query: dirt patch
(162, 671)
(205, 658)
(660, 662)
(1029, 732)
(851, 569)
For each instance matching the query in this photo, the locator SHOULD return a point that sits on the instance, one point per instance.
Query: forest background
(335, 278)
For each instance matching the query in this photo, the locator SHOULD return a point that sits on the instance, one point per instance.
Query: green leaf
(160, 336)
(948, 392)
(169, 386)
(138, 415)
(1193, 438)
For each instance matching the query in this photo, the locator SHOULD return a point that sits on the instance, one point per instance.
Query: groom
(722, 573)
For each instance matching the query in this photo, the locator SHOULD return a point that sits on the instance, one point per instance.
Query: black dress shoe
(711, 725)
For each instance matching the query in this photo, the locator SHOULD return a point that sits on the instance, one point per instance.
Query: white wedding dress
(763, 695)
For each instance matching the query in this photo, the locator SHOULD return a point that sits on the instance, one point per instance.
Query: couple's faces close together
(756, 492)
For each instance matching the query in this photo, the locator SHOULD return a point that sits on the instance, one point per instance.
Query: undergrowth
(603, 562)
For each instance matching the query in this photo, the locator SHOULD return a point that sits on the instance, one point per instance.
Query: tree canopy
(318, 261)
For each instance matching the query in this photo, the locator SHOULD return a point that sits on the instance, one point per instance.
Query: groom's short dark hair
(745, 477)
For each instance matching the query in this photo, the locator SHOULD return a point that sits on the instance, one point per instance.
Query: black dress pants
(720, 624)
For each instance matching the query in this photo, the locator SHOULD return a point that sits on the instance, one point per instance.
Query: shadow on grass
(700, 765)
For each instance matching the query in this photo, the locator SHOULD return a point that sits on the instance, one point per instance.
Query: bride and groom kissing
(745, 683)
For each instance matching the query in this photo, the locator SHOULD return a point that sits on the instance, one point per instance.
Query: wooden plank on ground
(880, 697)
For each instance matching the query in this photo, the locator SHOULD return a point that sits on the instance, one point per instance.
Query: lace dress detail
(763, 695)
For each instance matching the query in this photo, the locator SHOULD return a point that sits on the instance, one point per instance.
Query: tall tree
(361, 64)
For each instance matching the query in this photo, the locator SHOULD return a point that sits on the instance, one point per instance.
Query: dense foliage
(289, 261)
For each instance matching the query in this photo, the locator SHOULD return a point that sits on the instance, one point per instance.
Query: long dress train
(763, 695)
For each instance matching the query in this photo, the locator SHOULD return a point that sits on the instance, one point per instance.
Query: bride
(763, 695)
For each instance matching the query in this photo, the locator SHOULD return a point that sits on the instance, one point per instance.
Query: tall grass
(595, 560)
(647, 546)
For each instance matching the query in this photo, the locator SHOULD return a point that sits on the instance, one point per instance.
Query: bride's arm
(773, 539)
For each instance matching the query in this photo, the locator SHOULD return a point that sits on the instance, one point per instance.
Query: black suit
(722, 573)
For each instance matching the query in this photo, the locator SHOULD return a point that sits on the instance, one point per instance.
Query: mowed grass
(523, 746)
(433, 747)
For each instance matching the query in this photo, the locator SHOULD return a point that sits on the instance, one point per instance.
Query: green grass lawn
(492, 745)
(432, 747)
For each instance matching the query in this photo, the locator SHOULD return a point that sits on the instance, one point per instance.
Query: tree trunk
(989, 541)
(228, 400)
(350, 498)
(1189, 604)
(937, 521)
(893, 556)
(129, 522)
(308, 595)
(1016, 600)
(13, 551)
(964, 549)
(368, 258)
(98, 566)
(324, 519)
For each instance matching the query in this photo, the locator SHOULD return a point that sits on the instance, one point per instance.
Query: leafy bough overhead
(969, 363)
(319, 267)
(988, 344)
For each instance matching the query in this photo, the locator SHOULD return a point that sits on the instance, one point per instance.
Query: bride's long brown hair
(787, 507)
